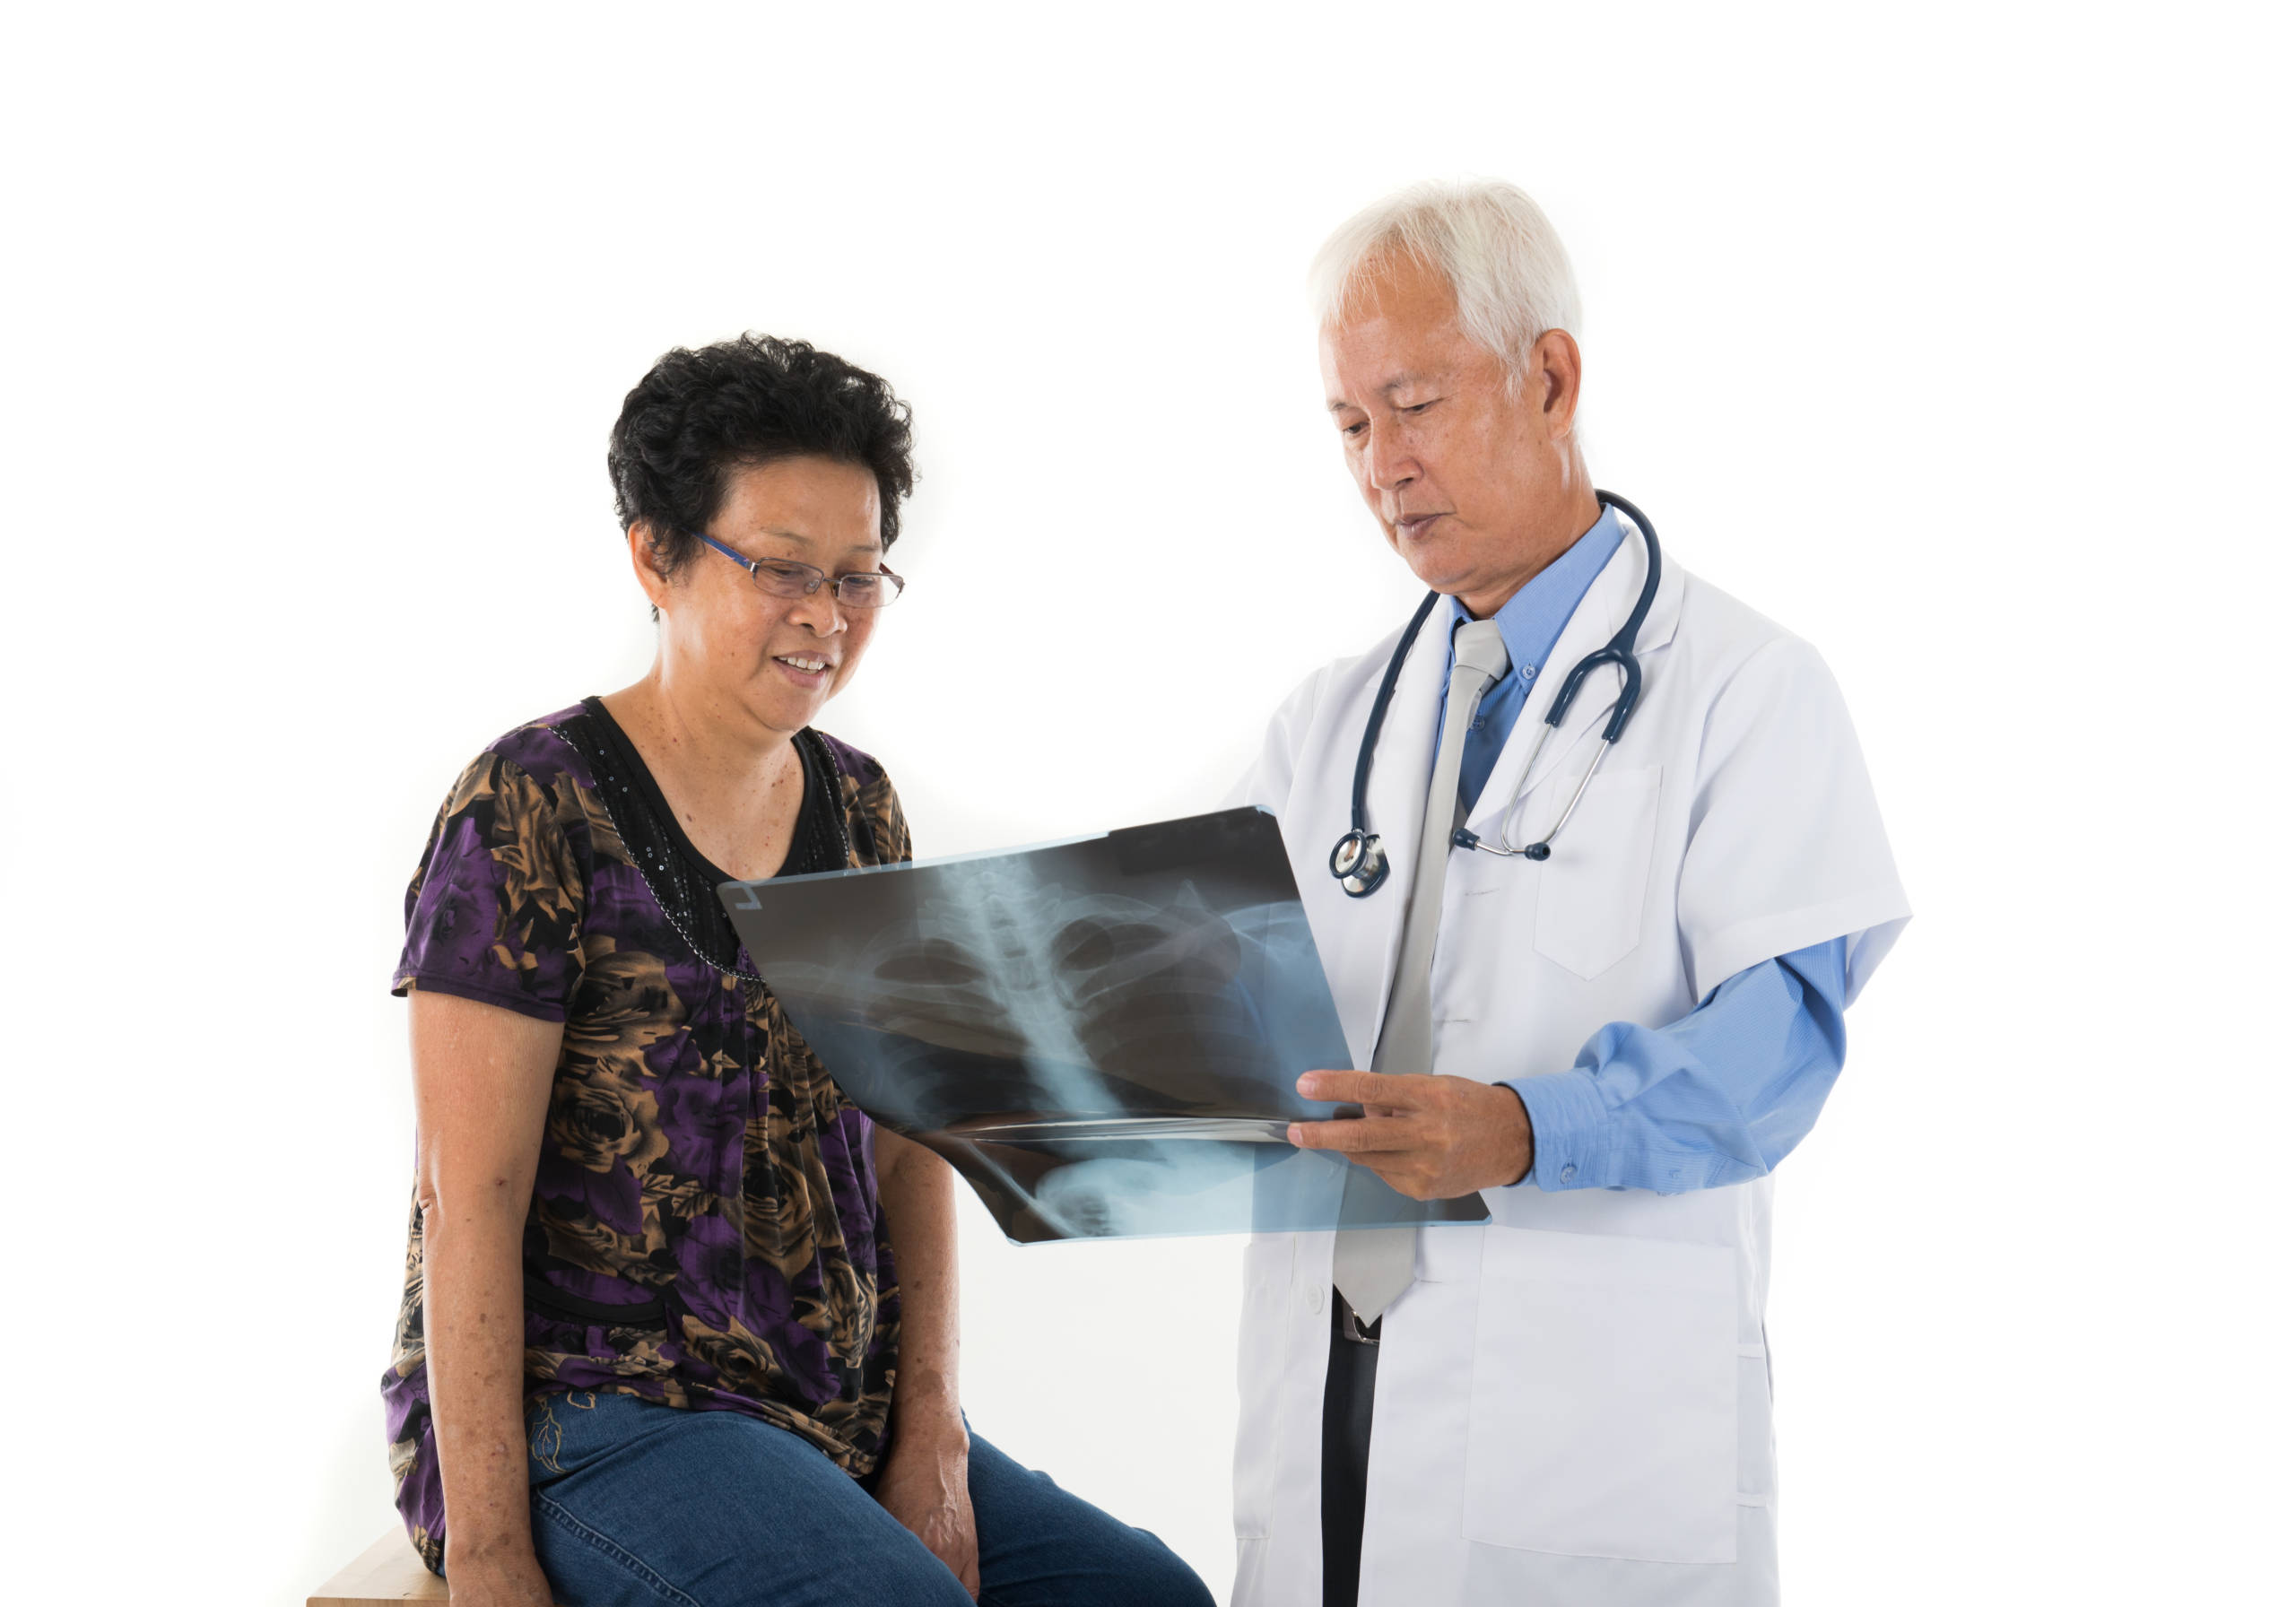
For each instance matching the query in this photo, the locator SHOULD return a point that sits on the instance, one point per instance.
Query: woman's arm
(481, 1089)
(923, 1480)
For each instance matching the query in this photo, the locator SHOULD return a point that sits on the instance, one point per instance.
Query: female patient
(680, 1324)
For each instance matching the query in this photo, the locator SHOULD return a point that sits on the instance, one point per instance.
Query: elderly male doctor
(1614, 1040)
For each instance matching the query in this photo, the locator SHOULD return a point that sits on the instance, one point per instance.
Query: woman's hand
(497, 1581)
(924, 1485)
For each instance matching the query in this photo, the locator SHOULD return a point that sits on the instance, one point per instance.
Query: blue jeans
(653, 1505)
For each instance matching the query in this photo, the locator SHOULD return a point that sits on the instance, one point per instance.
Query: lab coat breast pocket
(1591, 892)
(1605, 1413)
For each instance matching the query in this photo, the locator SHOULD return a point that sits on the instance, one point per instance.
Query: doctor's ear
(1551, 381)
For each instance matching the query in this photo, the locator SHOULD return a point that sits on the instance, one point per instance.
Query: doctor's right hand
(1430, 1138)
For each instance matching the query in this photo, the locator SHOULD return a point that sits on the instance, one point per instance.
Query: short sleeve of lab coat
(1786, 842)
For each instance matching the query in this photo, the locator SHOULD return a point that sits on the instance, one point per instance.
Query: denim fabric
(642, 1504)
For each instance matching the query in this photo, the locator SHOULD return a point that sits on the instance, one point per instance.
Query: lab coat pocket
(1591, 892)
(1604, 1421)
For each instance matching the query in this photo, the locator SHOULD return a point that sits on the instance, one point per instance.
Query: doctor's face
(1476, 485)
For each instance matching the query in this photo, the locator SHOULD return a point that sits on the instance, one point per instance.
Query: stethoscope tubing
(1356, 804)
(1359, 861)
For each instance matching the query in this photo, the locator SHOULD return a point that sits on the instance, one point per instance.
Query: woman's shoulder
(537, 775)
(871, 808)
(850, 761)
(540, 751)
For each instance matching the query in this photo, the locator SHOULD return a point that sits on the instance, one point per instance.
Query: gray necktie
(1372, 1265)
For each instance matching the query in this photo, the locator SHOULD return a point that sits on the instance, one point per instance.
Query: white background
(1956, 337)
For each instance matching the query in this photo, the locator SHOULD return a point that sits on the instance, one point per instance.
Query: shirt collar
(1531, 622)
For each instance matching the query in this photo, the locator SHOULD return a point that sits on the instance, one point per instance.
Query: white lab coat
(1573, 1403)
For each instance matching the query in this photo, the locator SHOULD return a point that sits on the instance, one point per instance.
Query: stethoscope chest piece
(1359, 863)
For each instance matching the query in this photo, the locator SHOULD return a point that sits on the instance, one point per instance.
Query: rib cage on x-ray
(1101, 1037)
(1105, 1005)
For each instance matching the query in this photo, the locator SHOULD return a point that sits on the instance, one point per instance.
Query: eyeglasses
(784, 578)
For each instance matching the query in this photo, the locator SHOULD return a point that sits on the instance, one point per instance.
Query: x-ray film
(1102, 1036)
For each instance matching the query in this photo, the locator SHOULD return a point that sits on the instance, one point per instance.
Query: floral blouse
(705, 1230)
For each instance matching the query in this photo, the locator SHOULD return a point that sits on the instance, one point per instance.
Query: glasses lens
(869, 591)
(784, 580)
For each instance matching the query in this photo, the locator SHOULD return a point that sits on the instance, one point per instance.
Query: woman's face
(752, 658)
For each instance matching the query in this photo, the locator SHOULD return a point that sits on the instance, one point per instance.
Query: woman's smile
(811, 671)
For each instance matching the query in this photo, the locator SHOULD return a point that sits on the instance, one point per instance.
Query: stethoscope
(1357, 859)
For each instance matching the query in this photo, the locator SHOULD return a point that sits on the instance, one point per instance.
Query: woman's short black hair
(698, 415)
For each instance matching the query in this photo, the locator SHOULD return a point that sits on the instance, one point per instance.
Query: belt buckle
(1350, 1326)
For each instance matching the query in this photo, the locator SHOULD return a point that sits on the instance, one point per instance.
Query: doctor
(1613, 1038)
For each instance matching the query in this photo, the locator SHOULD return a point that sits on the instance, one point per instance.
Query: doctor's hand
(1431, 1138)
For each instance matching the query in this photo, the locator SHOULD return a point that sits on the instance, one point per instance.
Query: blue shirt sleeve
(1718, 1097)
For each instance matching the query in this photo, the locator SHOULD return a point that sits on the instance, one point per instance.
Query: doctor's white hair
(1503, 261)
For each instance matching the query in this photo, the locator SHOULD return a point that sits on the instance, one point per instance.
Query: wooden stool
(387, 1571)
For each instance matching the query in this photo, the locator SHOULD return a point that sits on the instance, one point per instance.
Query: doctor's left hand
(1431, 1138)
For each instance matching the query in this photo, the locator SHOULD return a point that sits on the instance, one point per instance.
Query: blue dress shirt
(1718, 1097)
(1530, 622)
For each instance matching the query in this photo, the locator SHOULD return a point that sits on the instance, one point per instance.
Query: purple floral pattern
(698, 1161)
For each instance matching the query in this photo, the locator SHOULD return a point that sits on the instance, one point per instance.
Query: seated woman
(680, 1324)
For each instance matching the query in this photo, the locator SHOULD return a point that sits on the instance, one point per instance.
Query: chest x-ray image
(1100, 1036)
